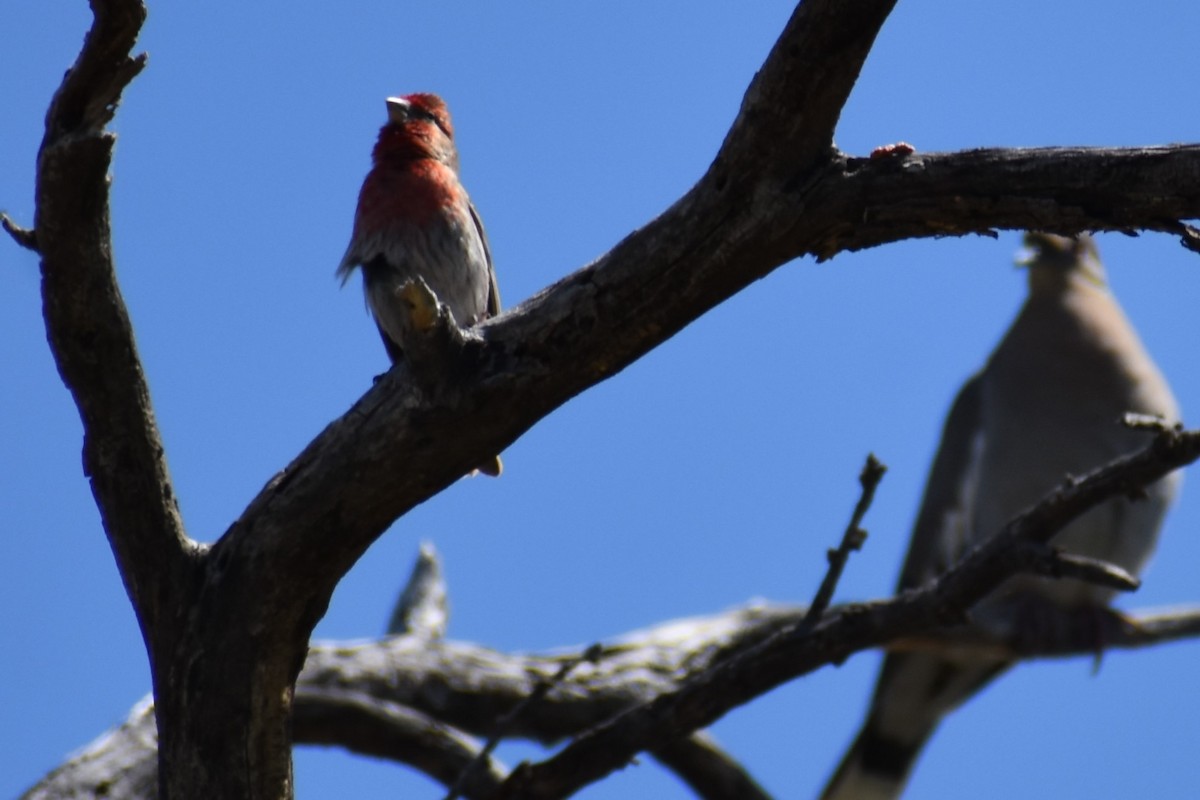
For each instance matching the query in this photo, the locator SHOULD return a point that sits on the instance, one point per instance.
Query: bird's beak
(398, 108)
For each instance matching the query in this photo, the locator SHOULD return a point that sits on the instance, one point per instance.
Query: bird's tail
(875, 767)
(914, 692)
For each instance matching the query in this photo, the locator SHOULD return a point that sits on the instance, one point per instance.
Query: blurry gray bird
(1046, 405)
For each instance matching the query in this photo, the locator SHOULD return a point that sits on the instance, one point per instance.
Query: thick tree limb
(86, 320)
(792, 106)
(92, 341)
(867, 202)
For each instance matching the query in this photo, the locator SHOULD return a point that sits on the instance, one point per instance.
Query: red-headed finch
(415, 220)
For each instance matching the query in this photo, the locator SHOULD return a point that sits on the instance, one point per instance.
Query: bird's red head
(421, 106)
(418, 127)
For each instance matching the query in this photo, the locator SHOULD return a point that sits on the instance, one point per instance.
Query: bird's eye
(423, 113)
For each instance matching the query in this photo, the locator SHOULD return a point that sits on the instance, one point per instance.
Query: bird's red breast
(416, 191)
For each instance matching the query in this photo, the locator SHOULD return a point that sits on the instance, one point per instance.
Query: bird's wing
(941, 527)
(493, 301)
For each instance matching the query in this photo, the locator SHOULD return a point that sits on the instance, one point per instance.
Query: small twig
(25, 237)
(1189, 237)
(852, 539)
(506, 722)
(1053, 562)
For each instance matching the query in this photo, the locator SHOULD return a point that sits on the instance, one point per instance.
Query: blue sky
(715, 470)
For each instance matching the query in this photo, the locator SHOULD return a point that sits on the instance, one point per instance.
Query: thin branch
(364, 724)
(852, 540)
(1052, 562)
(25, 237)
(505, 724)
(708, 770)
(1111, 631)
(987, 566)
(1152, 628)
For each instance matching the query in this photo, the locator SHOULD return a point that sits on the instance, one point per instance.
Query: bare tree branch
(463, 685)
(1052, 562)
(231, 624)
(23, 236)
(792, 106)
(865, 202)
(987, 566)
(121, 763)
(852, 539)
(1118, 631)
(505, 724)
(708, 770)
(91, 90)
(86, 319)
(366, 725)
